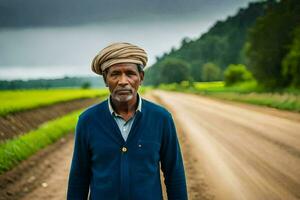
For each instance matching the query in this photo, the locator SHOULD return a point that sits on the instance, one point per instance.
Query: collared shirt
(124, 126)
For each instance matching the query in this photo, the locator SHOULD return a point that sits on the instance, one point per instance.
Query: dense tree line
(265, 37)
(70, 82)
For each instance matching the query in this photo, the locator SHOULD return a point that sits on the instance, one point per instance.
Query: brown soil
(34, 173)
(22, 122)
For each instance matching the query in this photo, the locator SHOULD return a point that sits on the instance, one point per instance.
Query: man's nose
(123, 80)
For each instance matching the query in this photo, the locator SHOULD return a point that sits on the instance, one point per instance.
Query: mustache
(123, 90)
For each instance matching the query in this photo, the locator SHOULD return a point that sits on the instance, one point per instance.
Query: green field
(20, 100)
(247, 92)
(15, 150)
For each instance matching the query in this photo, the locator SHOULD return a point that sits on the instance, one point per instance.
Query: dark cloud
(30, 13)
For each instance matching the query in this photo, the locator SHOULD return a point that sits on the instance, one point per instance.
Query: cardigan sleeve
(172, 163)
(79, 177)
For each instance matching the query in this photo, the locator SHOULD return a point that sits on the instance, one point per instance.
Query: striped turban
(118, 53)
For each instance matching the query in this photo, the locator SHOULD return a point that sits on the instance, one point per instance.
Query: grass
(15, 150)
(20, 100)
(274, 100)
(144, 89)
(219, 87)
(247, 92)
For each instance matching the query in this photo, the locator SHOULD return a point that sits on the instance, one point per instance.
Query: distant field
(248, 92)
(12, 101)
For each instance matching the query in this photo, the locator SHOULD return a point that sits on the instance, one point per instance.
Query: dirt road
(231, 151)
(54, 186)
(245, 154)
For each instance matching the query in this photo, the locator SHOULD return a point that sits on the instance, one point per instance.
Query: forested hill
(222, 45)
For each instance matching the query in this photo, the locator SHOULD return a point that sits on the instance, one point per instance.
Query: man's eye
(131, 73)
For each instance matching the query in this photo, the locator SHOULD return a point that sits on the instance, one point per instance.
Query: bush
(86, 85)
(235, 74)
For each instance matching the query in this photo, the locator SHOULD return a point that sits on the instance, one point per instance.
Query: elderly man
(121, 143)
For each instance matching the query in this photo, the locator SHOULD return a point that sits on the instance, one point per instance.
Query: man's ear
(142, 74)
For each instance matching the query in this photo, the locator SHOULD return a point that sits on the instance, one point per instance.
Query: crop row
(15, 101)
(15, 150)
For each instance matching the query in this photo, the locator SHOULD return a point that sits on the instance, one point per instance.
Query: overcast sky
(49, 39)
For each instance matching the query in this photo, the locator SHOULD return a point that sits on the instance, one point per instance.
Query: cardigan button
(124, 149)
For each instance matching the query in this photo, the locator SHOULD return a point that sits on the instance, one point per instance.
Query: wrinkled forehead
(123, 66)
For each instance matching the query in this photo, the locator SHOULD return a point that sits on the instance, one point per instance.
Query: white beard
(123, 98)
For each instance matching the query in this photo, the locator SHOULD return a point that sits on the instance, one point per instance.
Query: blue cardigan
(109, 171)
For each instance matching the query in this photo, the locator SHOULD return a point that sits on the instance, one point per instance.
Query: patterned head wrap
(118, 53)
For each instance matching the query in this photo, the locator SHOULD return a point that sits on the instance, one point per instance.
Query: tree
(174, 71)
(291, 62)
(185, 41)
(269, 40)
(235, 74)
(210, 72)
(152, 75)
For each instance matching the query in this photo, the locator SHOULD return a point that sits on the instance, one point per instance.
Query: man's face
(123, 81)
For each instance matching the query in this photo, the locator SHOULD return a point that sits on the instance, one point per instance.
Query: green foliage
(174, 71)
(15, 150)
(291, 62)
(219, 87)
(269, 40)
(208, 85)
(144, 89)
(211, 72)
(183, 86)
(170, 87)
(19, 100)
(222, 45)
(152, 75)
(167, 71)
(235, 74)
